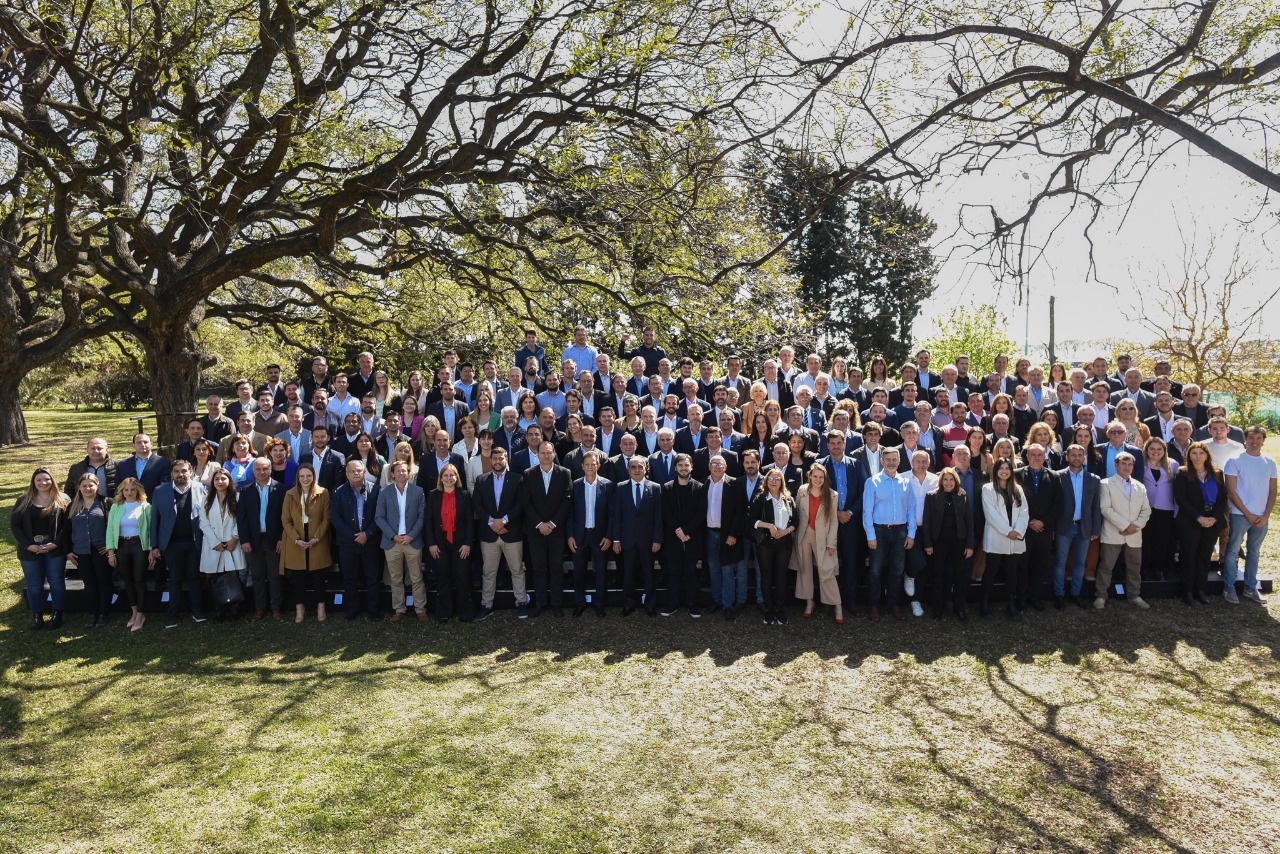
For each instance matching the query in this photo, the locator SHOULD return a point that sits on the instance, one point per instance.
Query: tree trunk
(13, 426)
(175, 362)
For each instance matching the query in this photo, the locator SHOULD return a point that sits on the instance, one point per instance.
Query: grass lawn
(1073, 731)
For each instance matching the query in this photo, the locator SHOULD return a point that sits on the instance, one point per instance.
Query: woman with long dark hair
(1007, 517)
(304, 548)
(43, 534)
(1200, 492)
(220, 551)
(1158, 536)
(813, 551)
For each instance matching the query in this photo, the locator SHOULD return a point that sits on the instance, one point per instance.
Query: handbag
(227, 589)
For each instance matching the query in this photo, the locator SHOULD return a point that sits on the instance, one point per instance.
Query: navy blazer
(1090, 505)
(659, 472)
(546, 505)
(611, 445)
(429, 471)
(154, 472)
(487, 507)
(332, 472)
(854, 481)
(632, 526)
(342, 515)
(605, 494)
(163, 515)
(249, 511)
(684, 440)
(460, 411)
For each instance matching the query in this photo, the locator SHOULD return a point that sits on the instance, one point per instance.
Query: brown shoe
(396, 617)
(258, 615)
(897, 613)
(874, 614)
(740, 606)
(422, 618)
(277, 615)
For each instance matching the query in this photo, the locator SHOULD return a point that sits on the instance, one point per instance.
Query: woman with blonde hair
(43, 534)
(129, 545)
(1136, 433)
(813, 548)
(304, 548)
(772, 518)
(402, 451)
(1042, 434)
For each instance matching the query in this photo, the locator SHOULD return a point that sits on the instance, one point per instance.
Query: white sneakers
(1099, 603)
(1138, 603)
(909, 585)
(917, 609)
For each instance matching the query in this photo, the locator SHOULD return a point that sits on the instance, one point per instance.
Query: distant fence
(1266, 410)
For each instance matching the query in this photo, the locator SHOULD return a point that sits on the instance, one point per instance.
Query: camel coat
(810, 547)
(292, 557)
(1119, 510)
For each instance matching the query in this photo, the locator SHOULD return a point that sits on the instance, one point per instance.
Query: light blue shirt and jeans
(889, 518)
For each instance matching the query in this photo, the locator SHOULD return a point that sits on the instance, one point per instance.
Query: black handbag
(227, 589)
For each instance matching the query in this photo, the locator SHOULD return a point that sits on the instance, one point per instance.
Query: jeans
(891, 549)
(1063, 544)
(723, 584)
(1241, 530)
(39, 568)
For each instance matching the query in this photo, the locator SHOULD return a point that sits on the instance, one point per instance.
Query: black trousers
(1037, 563)
(306, 585)
(96, 574)
(681, 567)
(361, 565)
(638, 560)
(948, 574)
(1015, 577)
(1158, 538)
(545, 556)
(264, 572)
(453, 583)
(1196, 546)
(589, 551)
(131, 563)
(183, 558)
(775, 555)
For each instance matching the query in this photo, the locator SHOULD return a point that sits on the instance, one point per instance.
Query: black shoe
(695, 612)
(937, 613)
(1188, 599)
(1059, 602)
(557, 611)
(1203, 597)
(375, 617)
(442, 620)
(652, 612)
(984, 611)
(102, 622)
(484, 614)
(579, 611)
(1015, 615)
(37, 622)
(626, 612)
(962, 614)
(56, 622)
(1036, 604)
(780, 617)
(92, 621)
(353, 615)
(600, 612)
(171, 622)
(729, 615)
(1078, 602)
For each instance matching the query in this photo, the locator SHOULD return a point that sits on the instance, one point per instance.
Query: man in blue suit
(148, 467)
(328, 463)
(593, 498)
(662, 463)
(1104, 465)
(637, 534)
(353, 511)
(847, 478)
(1079, 522)
(449, 411)
(259, 506)
(429, 466)
(175, 533)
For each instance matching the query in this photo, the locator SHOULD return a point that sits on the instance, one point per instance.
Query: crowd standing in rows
(889, 492)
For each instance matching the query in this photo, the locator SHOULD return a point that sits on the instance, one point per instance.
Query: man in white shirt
(1222, 448)
(812, 370)
(1251, 486)
(922, 483)
(401, 516)
(342, 402)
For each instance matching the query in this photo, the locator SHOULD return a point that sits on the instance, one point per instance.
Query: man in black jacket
(1043, 491)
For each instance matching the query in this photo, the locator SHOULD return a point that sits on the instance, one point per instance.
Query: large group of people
(817, 483)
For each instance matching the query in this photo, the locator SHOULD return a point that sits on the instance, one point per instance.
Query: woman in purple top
(1158, 536)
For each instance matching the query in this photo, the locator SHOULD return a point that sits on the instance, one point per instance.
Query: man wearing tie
(497, 507)
(353, 513)
(662, 464)
(593, 498)
(636, 529)
(546, 499)
(259, 505)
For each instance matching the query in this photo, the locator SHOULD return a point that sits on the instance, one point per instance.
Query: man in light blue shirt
(553, 397)
(889, 519)
(582, 353)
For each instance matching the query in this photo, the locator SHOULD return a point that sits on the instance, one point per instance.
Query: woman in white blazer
(1004, 538)
(221, 550)
(814, 544)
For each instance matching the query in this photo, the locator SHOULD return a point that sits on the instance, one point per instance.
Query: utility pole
(1052, 355)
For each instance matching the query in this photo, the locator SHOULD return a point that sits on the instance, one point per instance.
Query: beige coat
(1119, 510)
(293, 557)
(825, 530)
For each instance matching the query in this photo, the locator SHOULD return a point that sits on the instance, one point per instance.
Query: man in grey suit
(175, 533)
(401, 514)
(1144, 400)
(1079, 523)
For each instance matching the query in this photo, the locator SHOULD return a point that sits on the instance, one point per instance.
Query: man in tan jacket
(1125, 511)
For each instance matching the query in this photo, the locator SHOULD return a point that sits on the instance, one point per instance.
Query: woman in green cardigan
(129, 544)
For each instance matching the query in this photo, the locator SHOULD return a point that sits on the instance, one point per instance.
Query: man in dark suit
(1065, 408)
(684, 518)
(1162, 420)
(449, 411)
(259, 506)
(618, 468)
(608, 437)
(726, 511)
(429, 466)
(927, 379)
(217, 426)
(573, 460)
(500, 527)
(195, 435)
(1079, 523)
(662, 463)
(847, 479)
(714, 447)
(811, 417)
(734, 378)
(328, 463)
(176, 534)
(636, 531)
(527, 457)
(353, 511)
(148, 467)
(648, 351)
(792, 475)
(593, 498)
(1163, 371)
(1191, 408)
(385, 444)
(1104, 465)
(690, 398)
(1143, 400)
(794, 424)
(777, 386)
(360, 381)
(546, 498)
(692, 436)
(245, 401)
(749, 485)
(1043, 491)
